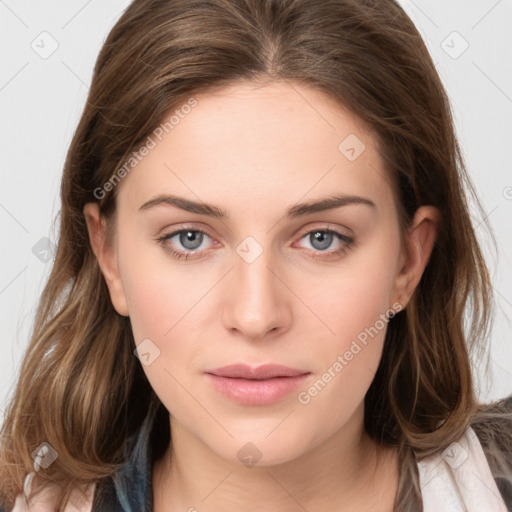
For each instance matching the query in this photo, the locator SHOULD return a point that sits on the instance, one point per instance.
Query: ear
(105, 252)
(419, 243)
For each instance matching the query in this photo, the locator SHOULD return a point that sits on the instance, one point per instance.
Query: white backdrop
(49, 50)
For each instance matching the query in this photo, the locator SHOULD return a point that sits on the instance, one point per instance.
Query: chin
(256, 450)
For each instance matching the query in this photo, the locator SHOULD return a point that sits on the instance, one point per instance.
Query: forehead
(246, 143)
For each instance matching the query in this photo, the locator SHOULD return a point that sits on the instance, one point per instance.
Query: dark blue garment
(130, 490)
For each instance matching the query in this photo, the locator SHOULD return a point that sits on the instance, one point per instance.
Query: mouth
(260, 385)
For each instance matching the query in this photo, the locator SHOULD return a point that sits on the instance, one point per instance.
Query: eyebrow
(298, 210)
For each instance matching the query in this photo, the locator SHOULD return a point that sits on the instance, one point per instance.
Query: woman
(259, 291)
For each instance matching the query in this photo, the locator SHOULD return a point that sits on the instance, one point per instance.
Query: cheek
(159, 291)
(355, 295)
(163, 299)
(152, 302)
(356, 307)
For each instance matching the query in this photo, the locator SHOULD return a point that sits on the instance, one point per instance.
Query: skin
(254, 151)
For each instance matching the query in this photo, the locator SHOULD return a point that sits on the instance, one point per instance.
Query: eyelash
(347, 241)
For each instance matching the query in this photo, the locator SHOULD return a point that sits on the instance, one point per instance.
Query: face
(256, 278)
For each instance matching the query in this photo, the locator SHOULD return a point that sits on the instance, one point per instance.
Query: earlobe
(420, 241)
(106, 255)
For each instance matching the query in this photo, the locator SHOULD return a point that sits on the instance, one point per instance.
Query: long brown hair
(80, 387)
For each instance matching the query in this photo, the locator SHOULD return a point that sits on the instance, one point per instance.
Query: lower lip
(256, 392)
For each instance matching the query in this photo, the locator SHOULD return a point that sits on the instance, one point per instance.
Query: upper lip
(265, 371)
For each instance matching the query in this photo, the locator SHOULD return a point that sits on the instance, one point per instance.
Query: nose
(257, 301)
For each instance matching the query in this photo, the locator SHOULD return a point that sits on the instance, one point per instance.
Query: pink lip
(256, 386)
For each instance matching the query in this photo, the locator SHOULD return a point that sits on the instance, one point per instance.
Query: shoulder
(459, 478)
(475, 470)
(492, 423)
(46, 500)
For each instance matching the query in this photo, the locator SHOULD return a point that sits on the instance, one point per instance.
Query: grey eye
(190, 239)
(320, 239)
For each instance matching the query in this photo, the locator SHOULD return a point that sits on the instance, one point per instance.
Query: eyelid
(324, 226)
(166, 232)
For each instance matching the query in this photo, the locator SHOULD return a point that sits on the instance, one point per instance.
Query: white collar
(459, 479)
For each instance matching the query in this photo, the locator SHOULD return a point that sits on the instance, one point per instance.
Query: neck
(348, 469)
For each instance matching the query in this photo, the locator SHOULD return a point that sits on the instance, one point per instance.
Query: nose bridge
(257, 303)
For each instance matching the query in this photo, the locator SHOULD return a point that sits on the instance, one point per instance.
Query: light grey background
(49, 50)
